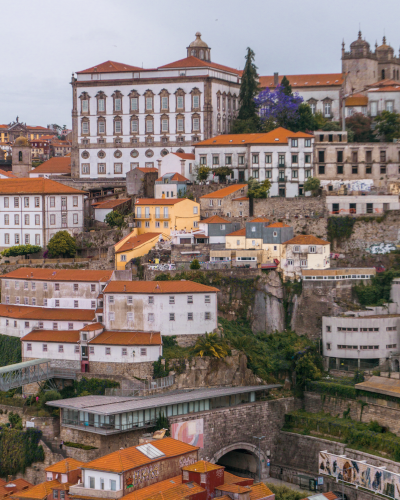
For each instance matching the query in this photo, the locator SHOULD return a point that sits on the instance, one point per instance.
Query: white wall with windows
(169, 314)
(34, 219)
(124, 354)
(379, 100)
(51, 350)
(18, 327)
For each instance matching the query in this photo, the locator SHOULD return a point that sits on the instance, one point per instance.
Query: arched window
(20, 156)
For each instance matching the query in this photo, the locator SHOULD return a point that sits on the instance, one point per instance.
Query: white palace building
(126, 116)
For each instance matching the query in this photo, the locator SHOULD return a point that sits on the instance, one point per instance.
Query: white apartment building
(126, 117)
(32, 211)
(55, 288)
(303, 252)
(169, 307)
(281, 156)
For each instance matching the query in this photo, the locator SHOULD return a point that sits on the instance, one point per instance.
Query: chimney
(276, 79)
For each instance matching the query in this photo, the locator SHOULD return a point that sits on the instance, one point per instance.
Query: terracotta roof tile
(56, 165)
(194, 62)
(233, 488)
(259, 490)
(159, 487)
(46, 313)
(138, 241)
(40, 185)
(330, 495)
(157, 201)
(175, 177)
(147, 170)
(239, 232)
(64, 466)
(357, 100)
(39, 491)
(65, 336)
(387, 82)
(306, 239)
(129, 458)
(110, 67)
(7, 174)
(232, 479)
(127, 338)
(185, 156)
(179, 492)
(215, 219)
(278, 136)
(17, 485)
(202, 466)
(158, 287)
(38, 274)
(316, 80)
(392, 88)
(93, 326)
(260, 219)
(111, 203)
(278, 224)
(221, 193)
(243, 198)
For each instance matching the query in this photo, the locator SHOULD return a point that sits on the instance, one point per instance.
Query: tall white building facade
(126, 117)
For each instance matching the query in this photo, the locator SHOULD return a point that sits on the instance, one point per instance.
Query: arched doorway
(242, 459)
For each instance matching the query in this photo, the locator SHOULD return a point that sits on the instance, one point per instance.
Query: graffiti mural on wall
(190, 432)
(360, 474)
(381, 248)
(356, 185)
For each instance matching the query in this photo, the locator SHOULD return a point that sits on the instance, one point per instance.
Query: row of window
(124, 350)
(134, 104)
(355, 347)
(52, 201)
(345, 277)
(171, 300)
(363, 329)
(40, 325)
(45, 285)
(150, 317)
(354, 169)
(17, 239)
(354, 156)
(255, 158)
(303, 262)
(134, 125)
(45, 302)
(27, 219)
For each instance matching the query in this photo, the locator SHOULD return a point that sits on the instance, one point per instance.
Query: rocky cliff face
(269, 314)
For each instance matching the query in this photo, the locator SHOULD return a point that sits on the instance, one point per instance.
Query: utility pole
(259, 456)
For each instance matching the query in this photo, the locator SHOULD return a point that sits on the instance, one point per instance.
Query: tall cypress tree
(248, 120)
(286, 87)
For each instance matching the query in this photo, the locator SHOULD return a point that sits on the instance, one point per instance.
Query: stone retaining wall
(140, 370)
(50, 426)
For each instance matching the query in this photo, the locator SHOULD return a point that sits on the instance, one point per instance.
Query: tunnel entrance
(240, 462)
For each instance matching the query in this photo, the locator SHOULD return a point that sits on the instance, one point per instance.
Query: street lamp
(259, 456)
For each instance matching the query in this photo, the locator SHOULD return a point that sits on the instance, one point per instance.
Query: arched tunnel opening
(240, 462)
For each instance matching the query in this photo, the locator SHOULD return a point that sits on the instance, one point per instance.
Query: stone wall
(198, 190)
(386, 413)
(290, 207)
(50, 426)
(139, 370)
(81, 455)
(36, 474)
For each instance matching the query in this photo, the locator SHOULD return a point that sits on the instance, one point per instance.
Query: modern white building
(126, 116)
(283, 157)
(369, 204)
(55, 288)
(32, 211)
(169, 307)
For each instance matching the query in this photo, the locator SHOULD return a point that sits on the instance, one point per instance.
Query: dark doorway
(241, 175)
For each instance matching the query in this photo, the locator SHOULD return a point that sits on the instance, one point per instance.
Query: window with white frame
(190, 316)
(303, 263)
(60, 348)
(108, 351)
(207, 316)
(117, 127)
(172, 316)
(307, 143)
(179, 125)
(196, 101)
(134, 104)
(150, 317)
(149, 103)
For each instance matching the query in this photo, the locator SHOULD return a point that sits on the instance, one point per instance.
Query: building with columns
(126, 117)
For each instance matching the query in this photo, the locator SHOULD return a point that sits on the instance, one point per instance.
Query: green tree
(258, 189)
(361, 126)
(62, 244)
(332, 127)
(248, 120)
(115, 219)
(387, 126)
(162, 422)
(304, 121)
(202, 172)
(286, 87)
(312, 184)
(320, 121)
(15, 420)
(20, 250)
(222, 173)
(195, 264)
(307, 369)
(211, 345)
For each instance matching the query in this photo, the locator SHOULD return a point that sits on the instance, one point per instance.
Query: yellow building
(166, 215)
(133, 246)
(236, 240)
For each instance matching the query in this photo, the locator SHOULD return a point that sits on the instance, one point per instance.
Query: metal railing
(111, 427)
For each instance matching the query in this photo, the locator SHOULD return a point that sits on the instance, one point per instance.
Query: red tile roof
(387, 82)
(110, 67)
(111, 203)
(185, 156)
(64, 466)
(175, 177)
(46, 313)
(179, 492)
(7, 174)
(56, 165)
(239, 232)
(260, 219)
(147, 170)
(159, 487)
(156, 201)
(138, 241)
(278, 136)
(130, 458)
(306, 239)
(202, 466)
(215, 219)
(357, 100)
(94, 326)
(65, 336)
(233, 488)
(38, 274)
(278, 224)
(318, 80)
(194, 62)
(259, 491)
(243, 198)
(38, 492)
(158, 287)
(127, 338)
(392, 88)
(13, 486)
(35, 186)
(221, 193)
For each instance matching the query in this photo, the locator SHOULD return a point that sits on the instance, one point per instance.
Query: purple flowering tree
(277, 107)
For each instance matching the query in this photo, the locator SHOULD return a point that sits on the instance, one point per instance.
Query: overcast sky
(45, 41)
